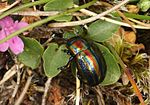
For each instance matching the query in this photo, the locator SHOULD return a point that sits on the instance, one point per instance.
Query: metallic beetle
(90, 63)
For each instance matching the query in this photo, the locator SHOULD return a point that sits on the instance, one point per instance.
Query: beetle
(89, 61)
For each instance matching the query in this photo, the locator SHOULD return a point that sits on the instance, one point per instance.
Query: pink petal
(6, 22)
(20, 25)
(16, 45)
(3, 46)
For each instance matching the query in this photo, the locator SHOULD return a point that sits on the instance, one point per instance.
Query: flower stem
(46, 20)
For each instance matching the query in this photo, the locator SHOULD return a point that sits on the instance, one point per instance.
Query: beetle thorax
(77, 45)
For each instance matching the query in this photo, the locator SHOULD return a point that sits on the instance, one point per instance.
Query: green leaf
(101, 30)
(68, 35)
(76, 2)
(144, 5)
(25, 1)
(65, 18)
(78, 30)
(134, 1)
(58, 5)
(53, 58)
(32, 53)
(113, 72)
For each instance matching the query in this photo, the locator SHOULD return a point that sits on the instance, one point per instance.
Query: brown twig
(97, 16)
(17, 84)
(126, 20)
(90, 13)
(19, 100)
(10, 6)
(139, 22)
(149, 78)
(74, 23)
(34, 7)
(136, 89)
(100, 97)
(10, 73)
(47, 86)
(42, 13)
(119, 12)
(77, 90)
(126, 70)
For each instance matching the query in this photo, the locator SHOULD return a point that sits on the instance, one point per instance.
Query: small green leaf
(101, 30)
(113, 71)
(144, 5)
(76, 2)
(53, 58)
(65, 18)
(79, 30)
(134, 1)
(68, 35)
(25, 1)
(58, 5)
(32, 53)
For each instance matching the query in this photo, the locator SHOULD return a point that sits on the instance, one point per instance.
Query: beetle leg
(67, 65)
(79, 77)
(59, 39)
(67, 51)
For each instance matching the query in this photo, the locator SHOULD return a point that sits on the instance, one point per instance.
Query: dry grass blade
(19, 100)
(10, 73)
(47, 86)
(10, 6)
(77, 90)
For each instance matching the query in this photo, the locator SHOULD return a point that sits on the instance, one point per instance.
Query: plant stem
(135, 16)
(126, 70)
(46, 20)
(77, 90)
(18, 8)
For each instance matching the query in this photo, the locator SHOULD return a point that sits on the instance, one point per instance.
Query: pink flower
(8, 26)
